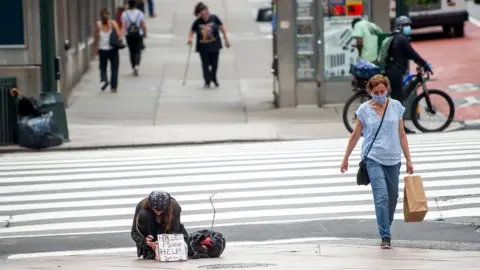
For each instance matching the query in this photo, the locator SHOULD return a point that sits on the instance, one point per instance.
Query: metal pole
(50, 97)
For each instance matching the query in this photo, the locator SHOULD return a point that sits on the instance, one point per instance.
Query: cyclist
(401, 51)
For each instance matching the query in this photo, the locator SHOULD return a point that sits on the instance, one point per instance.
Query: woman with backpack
(206, 27)
(136, 31)
(156, 214)
(106, 52)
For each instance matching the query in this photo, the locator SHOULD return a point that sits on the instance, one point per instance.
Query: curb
(19, 149)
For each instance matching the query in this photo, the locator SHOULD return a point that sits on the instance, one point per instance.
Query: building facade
(20, 53)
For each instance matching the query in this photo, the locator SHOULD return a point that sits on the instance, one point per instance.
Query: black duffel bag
(205, 244)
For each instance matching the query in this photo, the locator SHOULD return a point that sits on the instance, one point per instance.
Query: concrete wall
(74, 20)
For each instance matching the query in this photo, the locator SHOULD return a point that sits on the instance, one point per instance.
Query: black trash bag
(36, 127)
(203, 244)
(29, 106)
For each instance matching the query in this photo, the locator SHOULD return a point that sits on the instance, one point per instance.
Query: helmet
(402, 20)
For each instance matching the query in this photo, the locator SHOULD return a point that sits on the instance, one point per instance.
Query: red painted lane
(455, 61)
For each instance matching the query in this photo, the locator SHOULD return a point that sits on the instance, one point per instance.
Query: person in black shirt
(400, 52)
(156, 214)
(206, 27)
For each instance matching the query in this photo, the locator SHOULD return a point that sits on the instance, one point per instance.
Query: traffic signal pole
(50, 97)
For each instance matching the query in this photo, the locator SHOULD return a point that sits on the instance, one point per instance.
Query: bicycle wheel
(350, 106)
(441, 102)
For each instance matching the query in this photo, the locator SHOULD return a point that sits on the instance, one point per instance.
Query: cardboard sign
(415, 206)
(171, 248)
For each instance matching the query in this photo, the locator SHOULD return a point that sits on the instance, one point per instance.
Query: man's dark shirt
(402, 51)
(208, 36)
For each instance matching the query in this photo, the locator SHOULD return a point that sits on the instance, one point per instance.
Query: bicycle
(411, 83)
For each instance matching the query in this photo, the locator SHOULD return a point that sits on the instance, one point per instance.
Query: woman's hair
(199, 7)
(168, 214)
(132, 4)
(103, 18)
(376, 80)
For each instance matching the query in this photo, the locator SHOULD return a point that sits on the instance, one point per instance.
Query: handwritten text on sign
(171, 248)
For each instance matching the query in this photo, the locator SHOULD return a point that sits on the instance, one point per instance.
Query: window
(305, 39)
(11, 14)
(338, 49)
(423, 5)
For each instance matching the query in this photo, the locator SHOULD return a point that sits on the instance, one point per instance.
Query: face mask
(380, 99)
(407, 30)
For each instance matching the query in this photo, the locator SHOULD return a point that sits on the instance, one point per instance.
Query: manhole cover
(236, 265)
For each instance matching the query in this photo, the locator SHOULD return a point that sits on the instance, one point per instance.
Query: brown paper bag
(415, 206)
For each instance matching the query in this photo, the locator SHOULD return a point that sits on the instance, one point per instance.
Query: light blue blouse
(386, 149)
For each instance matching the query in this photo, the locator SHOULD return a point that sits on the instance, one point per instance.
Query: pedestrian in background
(206, 27)
(151, 8)
(400, 52)
(136, 31)
(106, 53)
(140, 5)
(380, 120)
(366, 34)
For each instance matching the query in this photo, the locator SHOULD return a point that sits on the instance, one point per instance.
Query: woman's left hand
(227, 43)
(409, 167)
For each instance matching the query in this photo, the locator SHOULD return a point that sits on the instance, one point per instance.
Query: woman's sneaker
(385, 243)
(104, 85)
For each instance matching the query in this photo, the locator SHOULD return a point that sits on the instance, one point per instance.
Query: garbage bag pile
(36, 127)
(364, 69)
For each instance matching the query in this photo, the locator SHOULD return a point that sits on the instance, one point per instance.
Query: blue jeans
(384, 182)
(150, 7)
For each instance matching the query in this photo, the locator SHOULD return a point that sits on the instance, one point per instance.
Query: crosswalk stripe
(206, 206)
(213, 150)
(93, 191)
(11, 170)
(332, 161)
(215, 170)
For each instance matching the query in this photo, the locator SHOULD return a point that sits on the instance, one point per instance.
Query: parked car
(450, 14)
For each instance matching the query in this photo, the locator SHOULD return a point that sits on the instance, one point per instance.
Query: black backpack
(205, 244)
(133, 29)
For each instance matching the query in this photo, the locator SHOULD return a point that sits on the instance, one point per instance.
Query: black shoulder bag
(362, 174)
(115, 40)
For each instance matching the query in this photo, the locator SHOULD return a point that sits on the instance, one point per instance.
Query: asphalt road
(435, 235)
(64, 201)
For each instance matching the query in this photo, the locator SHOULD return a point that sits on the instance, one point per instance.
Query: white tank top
(104, 38)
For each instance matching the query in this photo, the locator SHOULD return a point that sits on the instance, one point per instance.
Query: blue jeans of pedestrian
(150, 7)
(384, 182)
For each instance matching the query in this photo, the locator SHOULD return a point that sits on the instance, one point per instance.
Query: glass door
(306, 40)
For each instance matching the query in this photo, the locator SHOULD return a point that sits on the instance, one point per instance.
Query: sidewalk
(273, 257)
(156, 109)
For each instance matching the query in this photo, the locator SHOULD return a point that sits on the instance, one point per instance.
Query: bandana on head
(159, 200)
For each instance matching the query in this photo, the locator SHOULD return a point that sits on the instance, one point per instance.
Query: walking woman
(156, 214)
(383, 151)
(106, 53)
(206, 27)
(136, 31)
